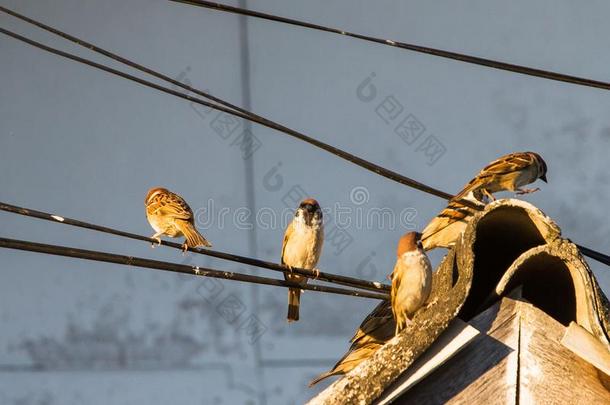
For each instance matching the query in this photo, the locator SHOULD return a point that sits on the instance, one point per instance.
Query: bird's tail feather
(294, 300)
(192, 235)
(322, 377)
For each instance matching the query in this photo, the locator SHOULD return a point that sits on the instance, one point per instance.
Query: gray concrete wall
(87, 145)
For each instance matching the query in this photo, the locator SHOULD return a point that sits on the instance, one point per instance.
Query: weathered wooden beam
(590, 349)
(457, 336)
(485, 371)
(549, 373)
(521, 359)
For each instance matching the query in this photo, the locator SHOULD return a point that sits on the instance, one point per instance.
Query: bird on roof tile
(508, 173)
(411, 279)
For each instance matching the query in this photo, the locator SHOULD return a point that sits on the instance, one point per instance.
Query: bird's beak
(543, 178)
(306, 215)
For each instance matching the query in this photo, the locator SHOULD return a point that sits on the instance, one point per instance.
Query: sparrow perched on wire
(376, 329)
(411, 279)
(448, 225)
(170, 215)
(301, 248)
(508, 173)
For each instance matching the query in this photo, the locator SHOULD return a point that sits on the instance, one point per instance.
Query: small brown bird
(450, 223)
(508, 173)
(411, 279)
(170, 215)
(376, 329)
(302, 248)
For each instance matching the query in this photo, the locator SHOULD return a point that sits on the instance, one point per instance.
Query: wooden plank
(549, 373)
(587, 347)
(457, 335)
(484, 371)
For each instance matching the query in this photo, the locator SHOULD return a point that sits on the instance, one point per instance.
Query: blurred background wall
(84, 144)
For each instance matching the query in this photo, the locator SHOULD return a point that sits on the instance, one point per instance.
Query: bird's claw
(523, 191)
(431, 303)
(406, 322)
(152, 245)
(489, 195)
(185, 248)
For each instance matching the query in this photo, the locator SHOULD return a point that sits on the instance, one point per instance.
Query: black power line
(475, 60)
(236, 111)
(175, 267)
(331, 278)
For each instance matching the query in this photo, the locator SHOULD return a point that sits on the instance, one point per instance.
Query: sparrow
(444, 229)
(302, 247)
(411, 279)
(508, 173)
(376, 329)
(170, 215)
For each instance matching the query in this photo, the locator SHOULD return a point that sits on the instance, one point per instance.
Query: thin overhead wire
(236, 111)
(230, 108)
(94, 255)
(322, 276)
(475, 60)
(123, 60)
(600, 257)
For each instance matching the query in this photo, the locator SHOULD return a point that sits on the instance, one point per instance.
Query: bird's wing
(454, 212)
(376, 329)
(378, 325)
(506, 164)
(396, 278)
(357, 355)
(349, 361)
(174, 206)
(287, 235)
